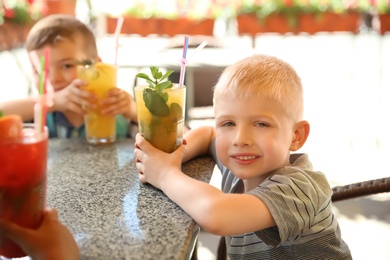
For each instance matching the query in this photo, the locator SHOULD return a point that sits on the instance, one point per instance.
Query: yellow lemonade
(101, 77)
(162, 125)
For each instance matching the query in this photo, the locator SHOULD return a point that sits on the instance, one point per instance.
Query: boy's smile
(253, 137)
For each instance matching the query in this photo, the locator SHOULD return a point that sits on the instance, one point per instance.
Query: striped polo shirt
(299, 200)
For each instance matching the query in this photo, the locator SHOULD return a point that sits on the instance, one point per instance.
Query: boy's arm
(213, 210)
(216, 212)
(198, 141)
(23, 107)
(68, 100)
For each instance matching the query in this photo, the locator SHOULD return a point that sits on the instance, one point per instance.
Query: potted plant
(283, 16)
(59, 7)
(16, 19)
(168, 17)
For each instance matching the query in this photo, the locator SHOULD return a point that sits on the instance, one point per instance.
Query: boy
(69, 41)
(273, 205)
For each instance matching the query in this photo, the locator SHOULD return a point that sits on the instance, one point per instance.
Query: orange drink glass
(101, 77)
(22, 183)
(161, 120)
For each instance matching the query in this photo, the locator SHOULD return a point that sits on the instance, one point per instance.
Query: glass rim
(37, 137)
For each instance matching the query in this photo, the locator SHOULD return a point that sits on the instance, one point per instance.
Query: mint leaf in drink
(143, 76)
(163, 85)
(1, 113)
(155, 103)
(156, 73)
(154, 97)
(157, 82)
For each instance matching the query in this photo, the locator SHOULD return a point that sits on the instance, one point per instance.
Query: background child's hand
(52, 240)
(119, 102)
(74, 98)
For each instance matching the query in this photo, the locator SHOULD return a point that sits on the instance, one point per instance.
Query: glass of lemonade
(101, 77)
(22, 183)
(161, 116)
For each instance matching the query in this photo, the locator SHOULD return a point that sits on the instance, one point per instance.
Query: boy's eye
(228, 124)
(261, 124)
(68, 66)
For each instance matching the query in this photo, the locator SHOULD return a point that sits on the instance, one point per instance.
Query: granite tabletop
(110, 213)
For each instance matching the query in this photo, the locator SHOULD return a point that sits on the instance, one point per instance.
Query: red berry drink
(23, 163)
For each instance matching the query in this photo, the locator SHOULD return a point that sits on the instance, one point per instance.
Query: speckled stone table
(110, 213)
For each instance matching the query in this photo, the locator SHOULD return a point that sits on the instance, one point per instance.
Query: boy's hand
(118, 102)
(52, 240)
(74, 98)
(152, 164)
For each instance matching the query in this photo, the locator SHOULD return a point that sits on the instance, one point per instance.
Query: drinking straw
(36, 63)
(40, 108)
(44, 92)
(201, 46)
(41, 75)
(37, 117)
(37, 108)
(46, 69)
(183, 62)
(118, 29)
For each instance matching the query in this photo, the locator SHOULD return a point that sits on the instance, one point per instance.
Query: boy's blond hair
(263, 76)
(51, 29)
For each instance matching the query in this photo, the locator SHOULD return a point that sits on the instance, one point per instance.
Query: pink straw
(46, 72)
(118, 29)
(39, 107)
(183, 62)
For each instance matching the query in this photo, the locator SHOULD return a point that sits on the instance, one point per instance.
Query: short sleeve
(297, 201)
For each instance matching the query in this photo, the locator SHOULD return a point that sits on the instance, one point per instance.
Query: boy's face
(63, 57)
(253, 136)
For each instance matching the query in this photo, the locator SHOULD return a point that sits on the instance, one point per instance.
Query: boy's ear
(99, 59)
(302, 130)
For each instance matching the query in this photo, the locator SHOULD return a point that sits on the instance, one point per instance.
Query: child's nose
(242, 137)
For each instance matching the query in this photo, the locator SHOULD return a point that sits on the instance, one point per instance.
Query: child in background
(273, 205)
(69, 41)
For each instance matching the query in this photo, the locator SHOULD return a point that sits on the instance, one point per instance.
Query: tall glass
(101, 77)
(22, 183)
(161, 120)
